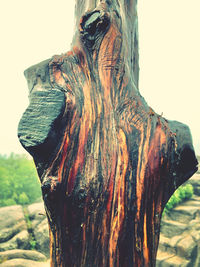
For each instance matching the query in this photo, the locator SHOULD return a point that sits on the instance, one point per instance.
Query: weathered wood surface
(107, 162)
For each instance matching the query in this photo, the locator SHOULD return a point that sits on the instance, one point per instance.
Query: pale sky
(34, 30)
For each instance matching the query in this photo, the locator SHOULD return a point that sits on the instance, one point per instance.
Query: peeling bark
(107, 162)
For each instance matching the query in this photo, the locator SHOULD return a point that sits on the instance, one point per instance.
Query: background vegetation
(183, 193)
(19, 183)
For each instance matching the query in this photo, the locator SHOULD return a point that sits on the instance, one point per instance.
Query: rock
(184, 213)
(174, 241)
(22, 254)
(41, 233)
(40, 228)
(13, 214)
(21, 240)
(180, 234)
(12, 221)
(197, 259)
(186, 246)
(171, 228)
(165, 259)
(196, 235)
(195, 182)
(36, 213)
(24, 263)
(194, 201)
(14, 233)
(165, 246)
(13, 228)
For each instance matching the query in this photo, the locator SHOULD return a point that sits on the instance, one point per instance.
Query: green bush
(181, 194)
(189, 191)
(23, 199)
(8, 202)
(32, 244)
(19, 181)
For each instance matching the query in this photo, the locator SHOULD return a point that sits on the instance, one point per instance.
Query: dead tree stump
(107, 162)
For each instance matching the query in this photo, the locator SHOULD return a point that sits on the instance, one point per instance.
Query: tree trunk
(107, 162)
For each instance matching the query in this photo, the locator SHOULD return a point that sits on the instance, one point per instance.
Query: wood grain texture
(112, 162)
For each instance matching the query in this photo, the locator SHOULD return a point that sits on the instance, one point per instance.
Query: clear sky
(34, 30)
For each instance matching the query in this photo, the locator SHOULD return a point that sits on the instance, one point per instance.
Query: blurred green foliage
(19, 183)
(183, 193)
